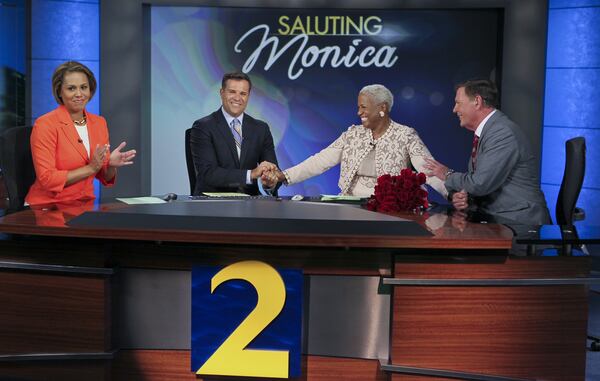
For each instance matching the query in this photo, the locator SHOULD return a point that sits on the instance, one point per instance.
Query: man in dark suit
(230, 148)
(502, 178)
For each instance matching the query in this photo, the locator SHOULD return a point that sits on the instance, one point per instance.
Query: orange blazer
(56, 149)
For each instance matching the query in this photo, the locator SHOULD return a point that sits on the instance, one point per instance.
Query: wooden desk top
(447, 232)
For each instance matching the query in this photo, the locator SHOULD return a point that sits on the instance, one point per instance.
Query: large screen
(12, 64)
(307, 67)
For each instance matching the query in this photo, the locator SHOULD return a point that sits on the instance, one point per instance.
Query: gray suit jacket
(505, 181)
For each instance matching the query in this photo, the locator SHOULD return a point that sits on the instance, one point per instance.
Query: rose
(405, 172)
(372, 204)
(403, 196)
(384, 179)
(409, 183)
(401, 192)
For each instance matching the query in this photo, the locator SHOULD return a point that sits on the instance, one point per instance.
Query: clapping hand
(98, 158)
(118, 158)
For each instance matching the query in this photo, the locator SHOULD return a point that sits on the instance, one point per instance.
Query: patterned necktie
(474, 150)
(236, 129)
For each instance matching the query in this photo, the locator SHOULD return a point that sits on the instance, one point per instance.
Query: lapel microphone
(79, 140)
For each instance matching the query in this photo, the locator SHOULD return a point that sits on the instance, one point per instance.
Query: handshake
(269, 174)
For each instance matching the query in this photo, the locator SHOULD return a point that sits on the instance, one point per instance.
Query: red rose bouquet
(399, 193)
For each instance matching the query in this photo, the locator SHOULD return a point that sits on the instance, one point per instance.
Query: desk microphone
(169, 197)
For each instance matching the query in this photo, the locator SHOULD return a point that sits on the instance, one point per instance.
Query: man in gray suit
(502, 179)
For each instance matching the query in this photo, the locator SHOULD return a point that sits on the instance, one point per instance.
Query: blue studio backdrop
(307, 67)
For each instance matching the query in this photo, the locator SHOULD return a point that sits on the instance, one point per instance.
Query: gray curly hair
(379, 94)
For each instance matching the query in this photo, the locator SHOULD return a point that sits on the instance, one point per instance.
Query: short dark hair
(485, 88)
(236, 75)
(71, 67)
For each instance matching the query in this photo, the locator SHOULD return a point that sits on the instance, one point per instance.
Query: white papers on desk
(141, 200)
(336, 197)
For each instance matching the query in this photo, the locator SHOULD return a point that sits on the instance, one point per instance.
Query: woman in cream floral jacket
(376, 147)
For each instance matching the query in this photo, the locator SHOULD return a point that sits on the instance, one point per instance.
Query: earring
(381, 114)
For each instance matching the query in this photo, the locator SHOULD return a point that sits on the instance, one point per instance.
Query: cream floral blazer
(395, 150)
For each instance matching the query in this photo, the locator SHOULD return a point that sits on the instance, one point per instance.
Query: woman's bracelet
(287, 178)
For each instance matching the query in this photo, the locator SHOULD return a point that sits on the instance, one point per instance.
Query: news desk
(100, 293)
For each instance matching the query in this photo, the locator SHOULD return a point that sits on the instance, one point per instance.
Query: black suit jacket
(218, 168)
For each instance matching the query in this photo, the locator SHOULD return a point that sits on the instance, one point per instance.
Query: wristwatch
(449, 172)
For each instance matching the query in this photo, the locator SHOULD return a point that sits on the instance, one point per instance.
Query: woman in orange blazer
(69, 145)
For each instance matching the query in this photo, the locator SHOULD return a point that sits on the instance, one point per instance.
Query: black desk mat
(253, 216)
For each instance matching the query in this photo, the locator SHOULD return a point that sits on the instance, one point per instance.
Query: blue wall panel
(553, 146)
(574, 37)
(572, 98)
(61, 31)
(589, 200)
(65, 30)
(572, 3)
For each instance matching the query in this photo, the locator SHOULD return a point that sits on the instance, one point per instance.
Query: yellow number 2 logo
(232, 358)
